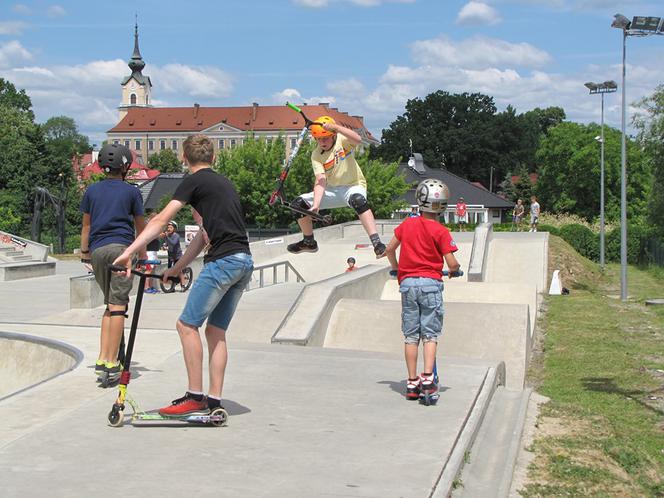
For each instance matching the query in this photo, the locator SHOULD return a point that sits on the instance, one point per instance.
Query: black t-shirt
(153, 245)
(216, 200)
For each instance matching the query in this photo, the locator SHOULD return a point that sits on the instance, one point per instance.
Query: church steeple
(136, 88)
(136, 64)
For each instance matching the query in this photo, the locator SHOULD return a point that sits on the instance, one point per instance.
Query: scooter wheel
(327, 219)
(219, 417)
(115, 417)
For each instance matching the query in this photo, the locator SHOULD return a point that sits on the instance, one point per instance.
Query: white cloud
(478, 13)
(56, 11)
(293, 95)
(12, 27)
(20, 8)
(203, 81)
(478, 52)
(13, 52)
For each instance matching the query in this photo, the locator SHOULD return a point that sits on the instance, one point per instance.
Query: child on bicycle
(112, 210)
(425, 246)
(226, 272)
(339, 183)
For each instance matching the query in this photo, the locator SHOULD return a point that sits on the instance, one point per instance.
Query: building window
(132, 99)
(116, 142)
(233, 142)
(146, 100)
(137, 145)
(162, 144)
(127, 142)
(222, 143)
(174, 144)
(293, 141)
(150, 144)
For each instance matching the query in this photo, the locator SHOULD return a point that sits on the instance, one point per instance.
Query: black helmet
(114, 157)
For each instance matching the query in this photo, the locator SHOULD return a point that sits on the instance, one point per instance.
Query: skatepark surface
(327, 420)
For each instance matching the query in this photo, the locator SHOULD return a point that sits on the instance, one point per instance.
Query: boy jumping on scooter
(425, 246)
(339, 183)
(226, 272)
(111, 209)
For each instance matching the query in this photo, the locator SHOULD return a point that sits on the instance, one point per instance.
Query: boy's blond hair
(198, 149)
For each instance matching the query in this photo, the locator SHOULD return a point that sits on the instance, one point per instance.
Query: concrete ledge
(452, 467)
(21, 270)
(307, 321)
(85, 293)
(27, 361)
(37, 251)
(478, 256)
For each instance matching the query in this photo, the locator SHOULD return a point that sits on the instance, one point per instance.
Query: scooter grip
(458, 273)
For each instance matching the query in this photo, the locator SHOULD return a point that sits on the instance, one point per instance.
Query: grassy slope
(602, 364)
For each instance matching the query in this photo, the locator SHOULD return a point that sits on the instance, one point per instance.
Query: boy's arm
(85, 237)
(391, 253)
(352, 136)
(148, 233)
(319, 190)
(452, 263)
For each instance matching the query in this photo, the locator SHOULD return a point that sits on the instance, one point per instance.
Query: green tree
(650, 126)
(166, 161)
(15, 99)
(569, 172)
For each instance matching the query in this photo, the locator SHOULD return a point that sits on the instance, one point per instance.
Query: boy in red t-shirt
(461, 214)
(425, 246)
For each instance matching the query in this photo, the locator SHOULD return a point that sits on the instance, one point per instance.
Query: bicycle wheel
(168, 287)
(187, 278)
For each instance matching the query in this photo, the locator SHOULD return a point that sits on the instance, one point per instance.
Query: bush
(582, 239)
(637, 244)
(548, 228)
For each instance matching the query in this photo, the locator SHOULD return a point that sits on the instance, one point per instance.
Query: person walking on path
(226, 272)
(339, 183)
(112, 210)
(534, 213)
(461, 209)
(426, 246)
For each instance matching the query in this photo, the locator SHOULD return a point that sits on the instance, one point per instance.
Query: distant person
(112, 211)
(426, 246)
(339, 183)
(172, 246)
(414, 212)
(226, 272)
(461, 209)
(517, 215)
(534, 213)
(152, 250)
(351, 264)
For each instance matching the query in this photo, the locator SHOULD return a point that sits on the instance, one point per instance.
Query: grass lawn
(601, 362)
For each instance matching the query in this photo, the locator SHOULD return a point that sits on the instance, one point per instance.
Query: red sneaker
(413, 389)
(186, 405)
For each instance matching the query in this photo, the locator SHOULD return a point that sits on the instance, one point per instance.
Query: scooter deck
(218, 417)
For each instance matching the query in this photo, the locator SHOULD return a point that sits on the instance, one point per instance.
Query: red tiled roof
(84, 168)
(247, 118)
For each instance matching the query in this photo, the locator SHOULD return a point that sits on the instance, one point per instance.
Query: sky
(366, 57)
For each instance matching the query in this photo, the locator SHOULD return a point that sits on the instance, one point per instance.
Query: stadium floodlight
(601, 88)
(639, 26)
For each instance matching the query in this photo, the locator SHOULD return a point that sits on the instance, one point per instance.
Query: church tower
(136, 88)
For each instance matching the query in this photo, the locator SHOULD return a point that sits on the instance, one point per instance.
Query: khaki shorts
(115, 286)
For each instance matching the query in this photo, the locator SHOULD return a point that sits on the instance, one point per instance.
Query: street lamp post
(638, 26)
(601, 88)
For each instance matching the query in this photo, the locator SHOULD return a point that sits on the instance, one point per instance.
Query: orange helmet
(317, 131)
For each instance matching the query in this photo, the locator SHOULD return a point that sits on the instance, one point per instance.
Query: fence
(655, 250)
(269, 275)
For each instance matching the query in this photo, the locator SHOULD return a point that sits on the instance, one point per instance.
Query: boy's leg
(411, 350)
(430, 348)
(192, 350)
(111, 332)
(356, 198)
(218, 357)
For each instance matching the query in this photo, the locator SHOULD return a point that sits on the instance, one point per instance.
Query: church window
(132, 99)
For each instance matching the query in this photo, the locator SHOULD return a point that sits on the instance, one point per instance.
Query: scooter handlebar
(138, 273)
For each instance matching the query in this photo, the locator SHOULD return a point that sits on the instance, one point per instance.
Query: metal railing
(264, 269)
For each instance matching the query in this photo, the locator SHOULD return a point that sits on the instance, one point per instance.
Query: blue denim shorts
(421, 309)
(217, 290)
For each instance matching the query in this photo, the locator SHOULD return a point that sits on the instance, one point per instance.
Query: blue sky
(367, 57)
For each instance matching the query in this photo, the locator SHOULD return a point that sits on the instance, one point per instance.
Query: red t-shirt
(461, 209)
(424, 243)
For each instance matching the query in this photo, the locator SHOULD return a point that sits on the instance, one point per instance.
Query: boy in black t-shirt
(226, 272)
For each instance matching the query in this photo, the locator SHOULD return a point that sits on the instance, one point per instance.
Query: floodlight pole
(623, 182)
(601, 190)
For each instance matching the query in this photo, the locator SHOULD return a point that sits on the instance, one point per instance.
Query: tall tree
(15, 99)
(166, 161)
(650, 126)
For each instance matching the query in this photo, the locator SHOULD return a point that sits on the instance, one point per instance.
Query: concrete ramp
(26, 361)
(487, 331)
(519, 258)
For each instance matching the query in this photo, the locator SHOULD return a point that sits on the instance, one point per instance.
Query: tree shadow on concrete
(608, 385)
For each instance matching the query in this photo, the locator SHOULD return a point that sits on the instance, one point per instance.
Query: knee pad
(359, 203)
(118, 313)
(300, 203)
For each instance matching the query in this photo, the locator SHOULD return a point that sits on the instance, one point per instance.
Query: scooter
(217, 417)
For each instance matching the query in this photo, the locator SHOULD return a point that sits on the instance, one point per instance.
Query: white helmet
(432, 195)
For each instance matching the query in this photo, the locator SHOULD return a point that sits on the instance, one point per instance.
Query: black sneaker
(302, 246)
(379, 249)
